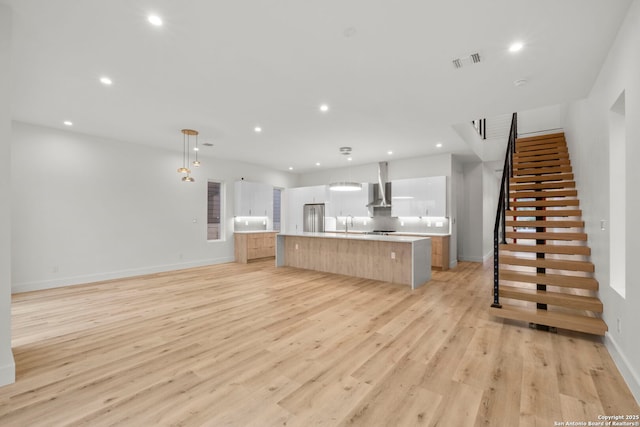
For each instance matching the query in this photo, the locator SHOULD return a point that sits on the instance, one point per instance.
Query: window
(277, 197)
(617, 196)
(214, 210)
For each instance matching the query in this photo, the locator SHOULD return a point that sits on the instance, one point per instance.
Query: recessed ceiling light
(196, 149)
(257, 129)
(389, 152)
(324, 108)
(155, 20)
(317, 163)
(439, 145)
(106, 81)
(349, 159)
(290, 168)
(68, 123)
(515, 47)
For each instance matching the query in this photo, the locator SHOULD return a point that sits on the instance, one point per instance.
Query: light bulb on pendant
(186, 133)
(196, 162)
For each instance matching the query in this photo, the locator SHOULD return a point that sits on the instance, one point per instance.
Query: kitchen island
(397, 259)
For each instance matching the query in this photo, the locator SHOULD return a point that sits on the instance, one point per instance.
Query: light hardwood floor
(236, 345)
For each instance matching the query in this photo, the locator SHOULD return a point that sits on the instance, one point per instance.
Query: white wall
(543, 120)
(7, 366)
(491, 193)
(588, 139)
(87, 208)
(470, 224)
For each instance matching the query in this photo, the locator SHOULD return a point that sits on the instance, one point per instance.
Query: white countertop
(422, 234)
(255, 231)
(358, 236)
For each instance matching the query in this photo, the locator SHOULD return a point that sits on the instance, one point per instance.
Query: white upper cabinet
(314, 194)
(419, 197)
(253, 199)
(296, 198)
(344, 203)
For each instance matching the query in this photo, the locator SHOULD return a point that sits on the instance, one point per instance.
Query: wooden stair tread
(542, 145)
(590, 325)
(549, 194)
(540, 137)
(518, 154)
(542, 178)
(545, 213)
(574, 302)
(545, 203)
(545, 224)
(541, 164)
(532, 145)
(540, 157)
(547, 249)
(541, 186)
(546, 235)
(560, 280)
(556, 264)
(542, 170)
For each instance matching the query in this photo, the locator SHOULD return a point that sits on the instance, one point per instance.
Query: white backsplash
(380, 222)
(250, 223)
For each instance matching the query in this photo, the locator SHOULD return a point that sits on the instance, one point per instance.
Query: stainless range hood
(381, 191)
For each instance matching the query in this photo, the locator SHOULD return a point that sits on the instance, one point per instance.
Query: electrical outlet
(195, 220)
(603, 224)
(393, 255)
(297, 247)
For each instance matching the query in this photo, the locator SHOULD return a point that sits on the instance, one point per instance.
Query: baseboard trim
(487, 256)
(629, 374)
(121, 274)
(7, 370)
(471, 259)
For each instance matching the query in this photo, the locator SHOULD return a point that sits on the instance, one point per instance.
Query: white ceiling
(223, 67)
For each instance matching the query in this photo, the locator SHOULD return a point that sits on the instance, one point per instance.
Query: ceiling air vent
(474, 58)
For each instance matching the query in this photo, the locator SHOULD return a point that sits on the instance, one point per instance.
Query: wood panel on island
(398, 259)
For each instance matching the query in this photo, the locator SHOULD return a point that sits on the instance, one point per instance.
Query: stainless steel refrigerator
(314, 217)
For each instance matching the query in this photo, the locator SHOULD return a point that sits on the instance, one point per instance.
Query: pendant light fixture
(345, 185)
(186, 134)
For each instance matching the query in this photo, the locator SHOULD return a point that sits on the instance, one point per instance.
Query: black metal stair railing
(499, 230)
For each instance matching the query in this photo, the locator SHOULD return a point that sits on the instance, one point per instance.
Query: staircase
(543, 275)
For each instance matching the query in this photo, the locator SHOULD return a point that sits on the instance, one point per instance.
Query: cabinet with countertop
(250, 245)
(439, 248)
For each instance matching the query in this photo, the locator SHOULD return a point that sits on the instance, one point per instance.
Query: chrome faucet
(346, 223)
